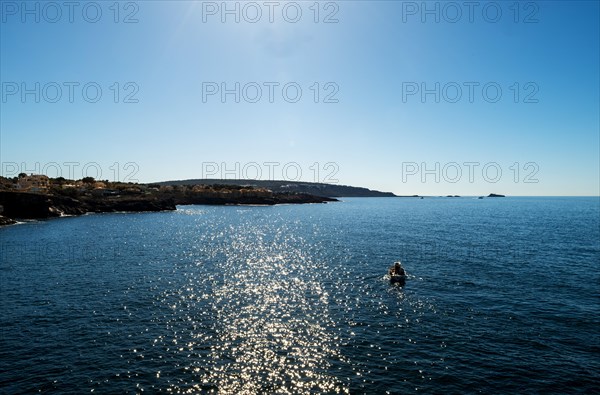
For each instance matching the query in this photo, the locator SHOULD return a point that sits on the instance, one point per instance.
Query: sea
(502, 296)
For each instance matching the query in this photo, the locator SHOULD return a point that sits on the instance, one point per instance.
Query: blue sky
(370, 126)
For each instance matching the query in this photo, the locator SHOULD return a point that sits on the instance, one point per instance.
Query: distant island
(492, 195)
(39, 197)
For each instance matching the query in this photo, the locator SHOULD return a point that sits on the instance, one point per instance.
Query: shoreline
(19, 206)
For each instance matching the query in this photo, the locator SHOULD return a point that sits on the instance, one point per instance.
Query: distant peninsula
(311, 188)
(40, 197)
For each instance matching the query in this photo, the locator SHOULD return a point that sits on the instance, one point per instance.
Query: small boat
(397, 273)
(397, 279)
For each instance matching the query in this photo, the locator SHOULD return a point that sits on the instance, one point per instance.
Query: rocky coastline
(25, 205)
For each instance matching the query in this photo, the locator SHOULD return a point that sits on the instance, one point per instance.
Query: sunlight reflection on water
(266, 319)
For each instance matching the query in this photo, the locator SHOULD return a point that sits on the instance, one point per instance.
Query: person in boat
(397, 270)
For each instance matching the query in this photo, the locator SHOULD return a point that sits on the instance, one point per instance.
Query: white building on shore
(33, 183)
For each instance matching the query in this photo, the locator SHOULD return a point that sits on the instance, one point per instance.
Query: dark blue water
(502, 297)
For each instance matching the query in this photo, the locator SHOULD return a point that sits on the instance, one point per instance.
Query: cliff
(23, 205)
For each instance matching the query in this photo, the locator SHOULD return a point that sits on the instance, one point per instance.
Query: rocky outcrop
(22, 205)
(495, 195)
(35, 206)
(6, 221)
